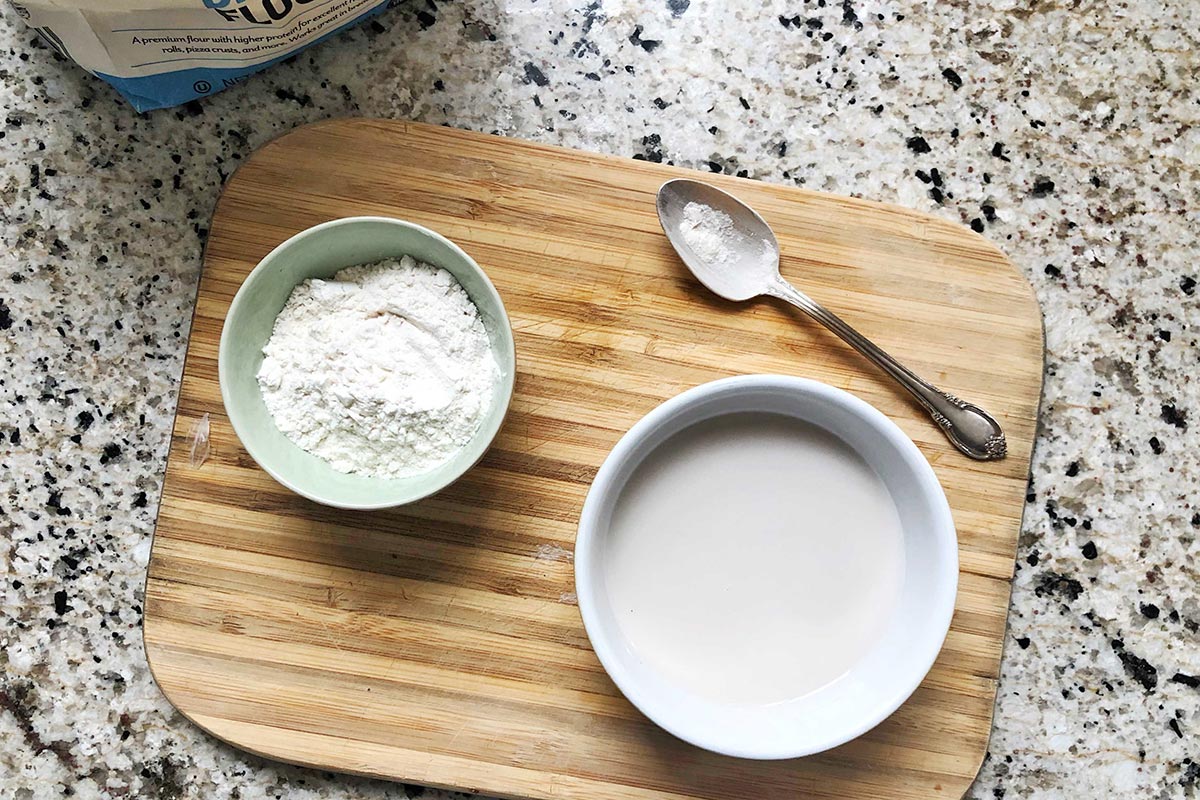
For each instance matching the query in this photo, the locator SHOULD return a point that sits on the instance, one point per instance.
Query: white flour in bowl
(385, 370)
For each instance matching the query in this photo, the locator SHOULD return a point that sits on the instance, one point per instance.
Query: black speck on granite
(652, 148)
(1191, 774)
(300, 99)
(849, 16)
(534, 74)
(1137, 668)
(1174, 416)
(918, 144)
(1042, 187)
(1052, 584)
(649, 45)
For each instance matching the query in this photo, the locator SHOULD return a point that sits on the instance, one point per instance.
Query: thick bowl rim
(508, 371)
(587, 591)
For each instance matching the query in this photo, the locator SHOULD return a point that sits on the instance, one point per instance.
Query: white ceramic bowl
(881, 679)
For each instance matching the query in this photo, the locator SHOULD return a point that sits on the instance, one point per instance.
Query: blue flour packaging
(160, 53)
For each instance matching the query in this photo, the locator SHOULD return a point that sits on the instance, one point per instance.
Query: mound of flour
(710, 233)
(384, 370)
(714, 237)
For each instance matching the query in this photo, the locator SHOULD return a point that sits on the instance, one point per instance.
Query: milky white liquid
(753, 558)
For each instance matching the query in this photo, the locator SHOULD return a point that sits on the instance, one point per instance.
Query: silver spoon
(750, 268)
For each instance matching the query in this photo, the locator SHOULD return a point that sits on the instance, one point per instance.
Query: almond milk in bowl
(766, 566)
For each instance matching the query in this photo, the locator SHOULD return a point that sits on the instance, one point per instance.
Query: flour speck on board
(554, 552)
(385, 370)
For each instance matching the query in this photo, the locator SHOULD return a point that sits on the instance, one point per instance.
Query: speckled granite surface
(1066, 132)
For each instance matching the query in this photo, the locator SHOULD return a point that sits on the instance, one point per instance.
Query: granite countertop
(1065, 132)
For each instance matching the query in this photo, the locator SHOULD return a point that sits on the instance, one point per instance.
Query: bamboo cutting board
(439, 643)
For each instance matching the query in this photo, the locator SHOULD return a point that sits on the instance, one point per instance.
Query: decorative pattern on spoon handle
(993, 448)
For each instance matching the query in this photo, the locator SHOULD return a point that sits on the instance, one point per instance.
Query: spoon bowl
(734, 253)
(755, 263)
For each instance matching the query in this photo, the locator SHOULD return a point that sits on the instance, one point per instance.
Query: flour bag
(160, 53)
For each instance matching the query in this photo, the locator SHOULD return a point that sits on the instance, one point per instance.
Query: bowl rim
(588, 592)
(507, 376)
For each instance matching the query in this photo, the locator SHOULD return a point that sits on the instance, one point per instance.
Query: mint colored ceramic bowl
(319, 252)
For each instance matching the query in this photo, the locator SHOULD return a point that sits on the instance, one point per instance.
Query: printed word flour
(384, 370)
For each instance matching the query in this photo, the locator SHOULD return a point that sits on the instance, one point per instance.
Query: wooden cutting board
(440, 643)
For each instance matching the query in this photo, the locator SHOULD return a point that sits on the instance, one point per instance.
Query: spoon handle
(968, 427)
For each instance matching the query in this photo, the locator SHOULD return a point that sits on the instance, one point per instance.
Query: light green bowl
(319, 252)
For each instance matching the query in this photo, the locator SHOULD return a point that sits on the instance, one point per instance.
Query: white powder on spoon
(710, 233)
(385, 370)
